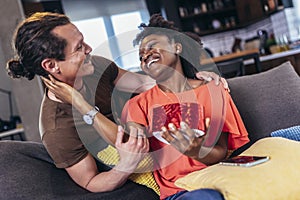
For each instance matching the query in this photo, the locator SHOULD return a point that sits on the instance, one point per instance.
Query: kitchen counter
(270, 61)
(230, 56)
(274, 56)
(252, 55)
(253, 63)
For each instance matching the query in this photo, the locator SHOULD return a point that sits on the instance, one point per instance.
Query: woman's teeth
(151, 62)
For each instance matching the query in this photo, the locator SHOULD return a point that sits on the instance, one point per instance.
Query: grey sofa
(267, 101)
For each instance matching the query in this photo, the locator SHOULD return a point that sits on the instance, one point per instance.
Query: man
(48, 43)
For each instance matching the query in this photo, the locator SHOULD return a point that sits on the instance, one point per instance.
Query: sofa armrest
(28, 172)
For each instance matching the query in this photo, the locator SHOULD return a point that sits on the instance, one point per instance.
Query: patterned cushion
(292, 133)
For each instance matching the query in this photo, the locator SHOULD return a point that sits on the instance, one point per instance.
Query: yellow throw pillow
(110, 156)
(278, 178)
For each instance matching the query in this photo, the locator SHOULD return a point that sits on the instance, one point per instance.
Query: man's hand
(209, 76)
(132, 151)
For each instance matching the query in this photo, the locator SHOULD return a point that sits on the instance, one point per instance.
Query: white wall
(5, 84)
(27, 94)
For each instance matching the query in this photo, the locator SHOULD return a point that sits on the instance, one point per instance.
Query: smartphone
(245, 161)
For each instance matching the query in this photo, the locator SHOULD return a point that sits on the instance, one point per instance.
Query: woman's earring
(178, 50)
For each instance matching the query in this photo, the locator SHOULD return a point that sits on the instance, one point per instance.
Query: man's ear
(50, 65)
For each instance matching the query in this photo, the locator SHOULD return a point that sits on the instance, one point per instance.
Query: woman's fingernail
(207, 122)
(163, 129)
(172, 127)
(183, 125)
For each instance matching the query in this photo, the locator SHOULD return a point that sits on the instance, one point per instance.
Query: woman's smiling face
(158, 56)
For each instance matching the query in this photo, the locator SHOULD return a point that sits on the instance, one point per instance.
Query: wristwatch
(89, 117)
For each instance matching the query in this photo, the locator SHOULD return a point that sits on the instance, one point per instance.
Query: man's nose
(88, 48)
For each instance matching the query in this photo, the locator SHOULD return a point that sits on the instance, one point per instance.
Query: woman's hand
(62, 91)
(185, 139)
(209, 76)
(133, 150)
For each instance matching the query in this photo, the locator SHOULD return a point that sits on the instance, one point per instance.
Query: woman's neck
(175, 85)
(176, 82)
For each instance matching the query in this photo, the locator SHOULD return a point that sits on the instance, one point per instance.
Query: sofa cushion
(277, 178)
(267, 101)
(28, 173)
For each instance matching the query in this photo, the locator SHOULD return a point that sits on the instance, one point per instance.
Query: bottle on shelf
(204, 7)
(196, 28)
(183, 12)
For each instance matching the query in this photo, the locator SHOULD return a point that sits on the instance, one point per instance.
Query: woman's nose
(146, 56)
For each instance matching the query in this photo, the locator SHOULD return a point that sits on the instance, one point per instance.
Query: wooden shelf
(214, 12)
(188, 15)
(202, 22)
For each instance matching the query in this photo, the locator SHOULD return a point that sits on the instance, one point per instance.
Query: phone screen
(245, 161)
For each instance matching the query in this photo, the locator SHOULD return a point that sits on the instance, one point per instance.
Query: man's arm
(127, 81)
(85, 172)
(105, 127)
(136, 83)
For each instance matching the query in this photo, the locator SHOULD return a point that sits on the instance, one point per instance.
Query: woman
(174, 112)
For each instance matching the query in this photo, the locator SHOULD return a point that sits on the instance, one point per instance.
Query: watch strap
(93, 112)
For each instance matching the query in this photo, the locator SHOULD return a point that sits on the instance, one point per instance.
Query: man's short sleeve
(59, 133)
(65, 148)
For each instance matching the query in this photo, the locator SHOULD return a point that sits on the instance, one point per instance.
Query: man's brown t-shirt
(65, 135)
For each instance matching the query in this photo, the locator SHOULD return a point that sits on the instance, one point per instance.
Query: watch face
(88, 119)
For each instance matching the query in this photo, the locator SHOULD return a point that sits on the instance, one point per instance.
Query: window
(126, 22)
(109, 27)
(126, 27)
(93, 31)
